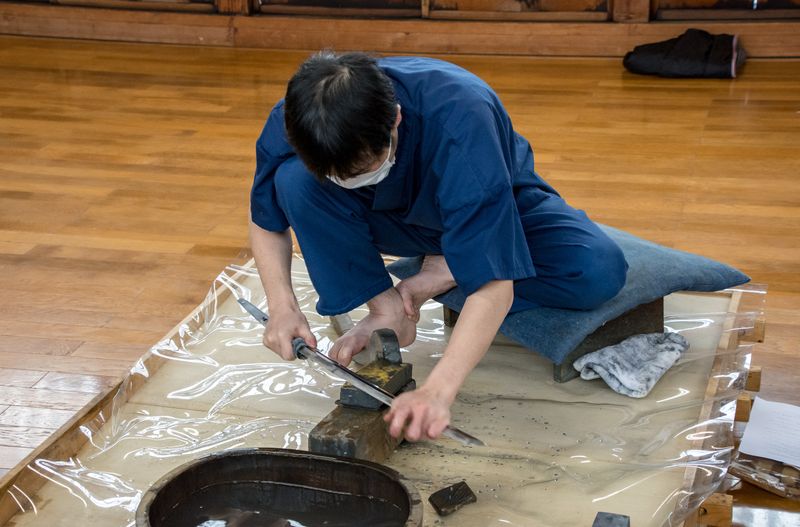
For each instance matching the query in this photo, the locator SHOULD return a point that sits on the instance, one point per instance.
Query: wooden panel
(143, 5)
(234, 7)
(762, 39)
(10, 456)
(25, 416)
(23, 436)
(344, 8)
(16, 396)
(37, 345)
(70, 382)
(747, 5)
(280, 9)
(372, 5)
(532, 16)
(726, 14)
(21, 378)
(517, 6)
(137, 26)
(629, 11)
(67, 364)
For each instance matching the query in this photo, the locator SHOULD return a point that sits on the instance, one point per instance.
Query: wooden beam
(629, 11)
(761, 39)
(744, 405)
(753, 382)
(716, 510)
(425, 8)
(114, 24)
(726, 14)
(338, 12)
(529, 16)
(143, 5)
(234, 7)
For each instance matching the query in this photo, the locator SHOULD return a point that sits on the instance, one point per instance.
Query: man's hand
(423, 413)
(283, 326)
(426, 412)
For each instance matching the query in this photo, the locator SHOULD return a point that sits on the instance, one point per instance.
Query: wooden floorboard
(126, 169)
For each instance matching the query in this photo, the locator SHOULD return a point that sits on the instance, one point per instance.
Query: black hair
(339, 111)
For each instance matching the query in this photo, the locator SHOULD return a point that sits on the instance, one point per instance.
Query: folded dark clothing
(696, 53)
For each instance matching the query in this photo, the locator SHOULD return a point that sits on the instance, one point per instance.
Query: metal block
(449, 499)
(389, 376)
(385, 345)
(607, 519)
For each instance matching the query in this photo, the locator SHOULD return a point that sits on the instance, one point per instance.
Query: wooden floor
(125, 171)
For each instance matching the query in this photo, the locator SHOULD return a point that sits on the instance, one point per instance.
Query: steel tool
(304, 351)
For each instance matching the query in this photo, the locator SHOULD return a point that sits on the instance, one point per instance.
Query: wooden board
(70, 438)
(761, 39)
(728, 343)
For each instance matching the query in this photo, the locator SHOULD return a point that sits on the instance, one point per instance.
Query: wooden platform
(126, 169)
(694, 391)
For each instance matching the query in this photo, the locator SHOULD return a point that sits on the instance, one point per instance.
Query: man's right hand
(283, 327)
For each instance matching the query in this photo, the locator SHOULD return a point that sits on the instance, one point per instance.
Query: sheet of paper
(773, 432)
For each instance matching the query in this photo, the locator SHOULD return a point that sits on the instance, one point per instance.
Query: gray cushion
(655, 271)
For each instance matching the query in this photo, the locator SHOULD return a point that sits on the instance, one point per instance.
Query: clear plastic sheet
(557, 453)
(774, 476)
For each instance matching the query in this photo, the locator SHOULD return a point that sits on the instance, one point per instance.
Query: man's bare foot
(434, 278)
(385, 311)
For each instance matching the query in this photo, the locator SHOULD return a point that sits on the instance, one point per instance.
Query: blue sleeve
(483, 238)
(272, 149)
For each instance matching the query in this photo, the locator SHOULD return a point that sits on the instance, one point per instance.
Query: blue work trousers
(577, 265)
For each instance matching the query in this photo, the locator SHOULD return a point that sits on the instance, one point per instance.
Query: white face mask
(368, 178)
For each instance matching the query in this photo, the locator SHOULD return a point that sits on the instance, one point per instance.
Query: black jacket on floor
(696, 53)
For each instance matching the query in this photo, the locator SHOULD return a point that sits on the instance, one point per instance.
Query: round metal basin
(268, 487)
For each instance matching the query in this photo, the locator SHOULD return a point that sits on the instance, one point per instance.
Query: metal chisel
(304, 351)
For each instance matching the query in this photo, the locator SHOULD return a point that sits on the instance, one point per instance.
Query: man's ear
(399, 117)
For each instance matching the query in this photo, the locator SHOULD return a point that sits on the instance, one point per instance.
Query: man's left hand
(423, 413)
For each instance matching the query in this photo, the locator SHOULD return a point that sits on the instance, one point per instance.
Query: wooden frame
(141, 5)
(729, 342)
(418, 36)
(282, 9)
(69, 439)
(726, 14)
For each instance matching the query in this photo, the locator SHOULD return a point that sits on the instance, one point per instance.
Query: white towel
(633, 366)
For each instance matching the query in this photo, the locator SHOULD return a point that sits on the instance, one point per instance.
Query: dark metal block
(607, 519)
(384, 343)
(390, 377)
(449, 499)
(645, 318)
